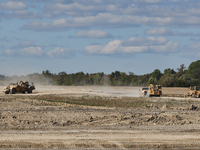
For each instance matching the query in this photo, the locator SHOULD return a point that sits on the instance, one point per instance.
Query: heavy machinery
(155, 90)
(22, 87)
(194, 92)
(143, 91)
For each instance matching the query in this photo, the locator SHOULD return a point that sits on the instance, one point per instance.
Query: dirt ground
(168, 122)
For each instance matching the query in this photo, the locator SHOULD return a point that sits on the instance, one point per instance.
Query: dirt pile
(29, 117)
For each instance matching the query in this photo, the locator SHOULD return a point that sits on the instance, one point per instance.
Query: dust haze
(89, 90)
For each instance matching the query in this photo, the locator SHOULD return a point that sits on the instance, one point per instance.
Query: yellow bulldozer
(22, 87)
(155, 90)
(194, 92)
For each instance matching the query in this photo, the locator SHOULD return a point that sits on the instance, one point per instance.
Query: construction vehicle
(194, 92)
(22, 87)
(143, 91)
(155, 90)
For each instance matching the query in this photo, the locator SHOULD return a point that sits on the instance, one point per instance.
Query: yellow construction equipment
(155, 90)
(194, 92)
(22, 87)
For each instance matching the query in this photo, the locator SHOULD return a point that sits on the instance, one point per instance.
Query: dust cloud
(118, 91)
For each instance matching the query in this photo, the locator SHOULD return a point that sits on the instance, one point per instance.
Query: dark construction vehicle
(22, 87)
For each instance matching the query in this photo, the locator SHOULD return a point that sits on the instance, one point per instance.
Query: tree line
(182, 77)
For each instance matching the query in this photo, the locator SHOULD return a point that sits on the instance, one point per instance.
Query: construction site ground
(99, 117)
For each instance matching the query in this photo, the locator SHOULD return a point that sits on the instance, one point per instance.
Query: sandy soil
(25, 124)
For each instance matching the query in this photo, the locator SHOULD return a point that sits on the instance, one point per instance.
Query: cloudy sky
(93, 36)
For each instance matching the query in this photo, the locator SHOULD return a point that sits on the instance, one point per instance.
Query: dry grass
(111, 102)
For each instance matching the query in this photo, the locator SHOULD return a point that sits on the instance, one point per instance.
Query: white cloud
(147, 1)
(12, 5)
(169, 47)
(133, 13)
(109, 20)
(148, 8)
(25, 44)
(193, 50)
(158, 31)
(157, 45)
(194, 47)
(32, 51)
(93, 34)
(174, 0)
(166, 32)
(110, 48)
(94, 7)
(133, 41)
(101, 20)
(38, 52)
(25, 14)
(60, 53)
(71, 9)
(80, 13)
(9, 52)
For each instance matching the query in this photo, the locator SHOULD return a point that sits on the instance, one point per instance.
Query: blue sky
(93, 36)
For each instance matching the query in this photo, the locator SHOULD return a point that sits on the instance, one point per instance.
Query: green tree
(61, 78)
(169, 71)
(99, 77)
(180, 83)
(167, 80)
(152, 80)
(185, 79)
(46, 73)
(115, 78)
(196, 74)
(195, 82)
(182, 68)
(156, 74)
(144, 80)
(78, 78)
(193, 66)
(130, 73)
